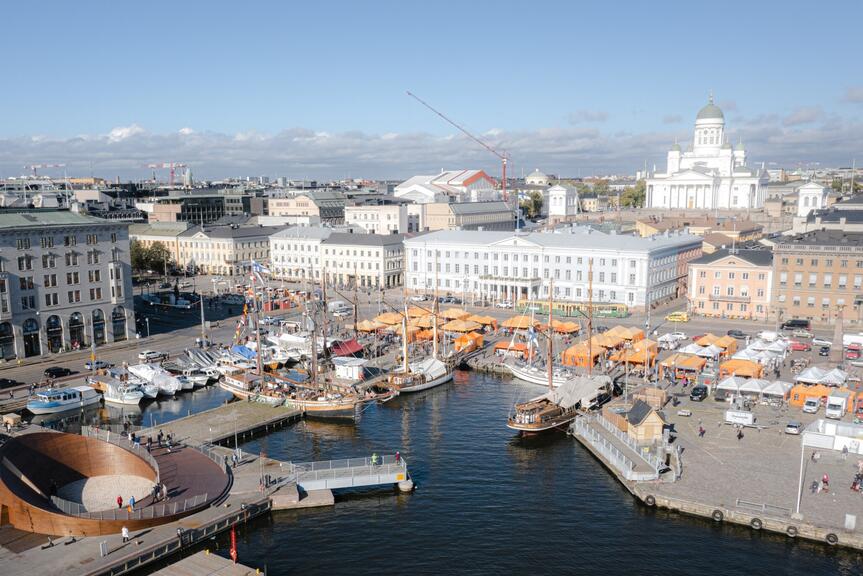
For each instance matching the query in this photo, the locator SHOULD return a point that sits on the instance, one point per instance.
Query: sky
(318, 89)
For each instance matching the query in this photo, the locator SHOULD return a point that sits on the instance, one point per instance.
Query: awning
(346, 348)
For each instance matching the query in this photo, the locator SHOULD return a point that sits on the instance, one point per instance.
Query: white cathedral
(711, 175)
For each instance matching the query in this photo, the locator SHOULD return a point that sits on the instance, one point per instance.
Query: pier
(206, 564)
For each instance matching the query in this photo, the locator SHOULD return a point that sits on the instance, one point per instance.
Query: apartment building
(65, 283)
(327, 205)
(224, 250)
(193, 208)
(379, 218)
(295, 252)
(374, 260)
(165, 233)
(495, 215)
(818, 276)
(732, 284)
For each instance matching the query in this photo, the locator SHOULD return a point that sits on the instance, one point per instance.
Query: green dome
(710, 112)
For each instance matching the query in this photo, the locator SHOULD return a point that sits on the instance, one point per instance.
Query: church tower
(709, 129)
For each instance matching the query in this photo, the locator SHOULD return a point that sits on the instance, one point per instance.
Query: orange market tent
(514, 348)
(632, 334)
(454, 314)
(519, 323)
(412, 331)
(707, 339)
(581, 355)
(642, 352)
(727, 343)
(425, 322)
(369, 326)
(461, 326)
(608, 340)
(562, 327)
(484, 320)
(469, 341)
(679, 362)
(424, 335)
(801, 392)
(389, 318)
(417, 312)
(744, 368)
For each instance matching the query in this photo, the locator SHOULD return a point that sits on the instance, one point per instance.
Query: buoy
(718, 515)
(406, 485)
(650, 500)
(791, 531)
(832, 539)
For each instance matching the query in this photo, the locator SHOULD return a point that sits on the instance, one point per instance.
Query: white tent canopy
(835, 377)
(758, 345)
(811, 375)
(746, 354)
(754, 386)
(711, 351)
(777, 388)
(779, 347)
(731, 384)
(692, 349)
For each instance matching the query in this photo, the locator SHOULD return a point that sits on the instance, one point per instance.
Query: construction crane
(35, 167)
(504, 157)
(170, 165)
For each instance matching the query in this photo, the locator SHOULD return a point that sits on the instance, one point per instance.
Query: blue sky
(566, 85)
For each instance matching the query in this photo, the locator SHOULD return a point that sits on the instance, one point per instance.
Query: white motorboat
(62, 399)
(154, 374)
(538, 374)
(119, 392)
(185, 383)
(424, 374)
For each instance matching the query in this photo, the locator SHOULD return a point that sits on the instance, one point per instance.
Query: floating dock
(206, 564)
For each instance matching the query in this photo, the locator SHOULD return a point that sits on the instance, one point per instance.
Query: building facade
(65, 283)
(372, 260)
(379, 218)
(732, 284)
(327, 205)
(636, 272)
(449, 186)
(225, 250)
(562, 203)
(711, 175)
(818, 276)
(195, 209)
(467, 216)
(295, 252)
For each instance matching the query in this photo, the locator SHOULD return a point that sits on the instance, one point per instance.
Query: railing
(614, 456)
(653, 461)
(721, 298)
(764, 508)
(347, 468)
(122, 441)
(143, 513)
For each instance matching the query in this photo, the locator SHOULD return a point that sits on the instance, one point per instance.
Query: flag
(259, 268)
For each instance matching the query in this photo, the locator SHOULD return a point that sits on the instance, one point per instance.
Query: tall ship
(422, 374)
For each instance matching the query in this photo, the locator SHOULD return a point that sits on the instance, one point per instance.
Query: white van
(811, 405)
(837, 404)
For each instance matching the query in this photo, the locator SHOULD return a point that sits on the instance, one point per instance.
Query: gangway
(350, 473)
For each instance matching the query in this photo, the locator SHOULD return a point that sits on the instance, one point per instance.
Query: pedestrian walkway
(613, 447)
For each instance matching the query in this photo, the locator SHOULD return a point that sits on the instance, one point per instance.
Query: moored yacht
(61, 399)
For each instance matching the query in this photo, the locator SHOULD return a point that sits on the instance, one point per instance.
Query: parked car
(504, 304)
(800, 346)
(419, 298)
(852, 354)
(9, 383)
(343, 312)
(811, 405)
(802, 333)
(151, 355)
(796, 324)
(793, 427)
(698, 393)
(165, 285)
(97, 365)
(56, 372)
(678, 335)
(738, 334)
(600, 329)
(822, 342)
(677, 317)
(824, 351)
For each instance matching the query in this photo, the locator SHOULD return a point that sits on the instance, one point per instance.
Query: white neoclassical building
(711, 174)
(562, 202)
(509, 265)
(811, 197)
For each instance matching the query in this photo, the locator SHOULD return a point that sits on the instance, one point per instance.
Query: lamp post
(147, 322)
(800, 484)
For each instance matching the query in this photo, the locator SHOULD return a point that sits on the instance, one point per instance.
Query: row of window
(72, 296)
(25, 262)
(826, 280)
(68, 240)
(506, 257)
(731, 307)
(729, 291)
(731, 275)
(828, 262)
(810, 301)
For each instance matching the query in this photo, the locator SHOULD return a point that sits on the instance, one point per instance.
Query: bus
(568, 309)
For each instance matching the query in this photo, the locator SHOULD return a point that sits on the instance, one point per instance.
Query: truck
(850, 339)
(334, 305)
(837, 404)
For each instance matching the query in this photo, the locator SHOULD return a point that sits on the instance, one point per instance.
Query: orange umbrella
(454, 314)
(369, 326)
(389, 318)
(461, 326)
(417, 312)
(519, 323)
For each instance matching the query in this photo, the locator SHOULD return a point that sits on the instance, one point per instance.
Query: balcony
(721, 298)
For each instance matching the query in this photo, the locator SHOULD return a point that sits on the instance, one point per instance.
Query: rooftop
(479, 207)
(823, 238)
(364, 239)
(754, 257)
(52, 218)
(304, 233)
(232, 231)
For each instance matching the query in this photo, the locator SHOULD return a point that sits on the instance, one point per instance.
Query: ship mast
(259, 352)
(549, 360)
(405, 339)
(435, 310)
(590, 316)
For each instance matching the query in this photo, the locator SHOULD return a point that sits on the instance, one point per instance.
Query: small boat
(248, 386)
(61, 399)
(533, 374)
(558, 407)
(123, 393)
(424, 374)
(149, 390)
(156, 375)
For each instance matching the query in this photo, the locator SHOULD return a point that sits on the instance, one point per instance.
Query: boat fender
(832, 539)
(718, 516)
(756, 524)
(650, 500)
(791, 531)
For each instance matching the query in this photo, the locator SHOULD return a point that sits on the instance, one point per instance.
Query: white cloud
(672, 119)
(300, 152)
(186, 131)
(585, 116)
(121, 133)
(854, 94)
(803, 115)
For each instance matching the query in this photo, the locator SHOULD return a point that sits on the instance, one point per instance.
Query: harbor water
(487, 501)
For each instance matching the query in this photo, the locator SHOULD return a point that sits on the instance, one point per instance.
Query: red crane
(34, 167)
(170, 165)
(502, 155)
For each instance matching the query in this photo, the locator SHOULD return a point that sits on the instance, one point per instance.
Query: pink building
(731, 284)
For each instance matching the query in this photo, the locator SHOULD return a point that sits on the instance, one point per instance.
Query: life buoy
(756, 524)
(791, 531)
(650, 500)
(718, 515)
(832, 539)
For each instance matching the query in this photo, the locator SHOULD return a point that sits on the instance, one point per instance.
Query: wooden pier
(206, 564)
(234, 420)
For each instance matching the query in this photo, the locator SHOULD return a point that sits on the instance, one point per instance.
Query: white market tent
(746, 354)
(731, 384)
(711, 351)
(754, 386)
(778, 389)
(691, 349)
(835, 377)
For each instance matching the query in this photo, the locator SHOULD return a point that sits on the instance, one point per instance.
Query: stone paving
(763, 467)
(100, 492)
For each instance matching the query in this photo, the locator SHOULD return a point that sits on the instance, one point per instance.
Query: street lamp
(147, 322)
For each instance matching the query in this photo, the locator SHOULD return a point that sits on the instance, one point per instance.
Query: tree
(146, 258)
(159, 257)
(635, 196)
(138, 254)
(531, 206)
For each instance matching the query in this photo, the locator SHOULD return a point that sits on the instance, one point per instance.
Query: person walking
(398, 457)
(132, 503)
(739, 434)
(119, 502)
(125, 532)
(701, 431)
